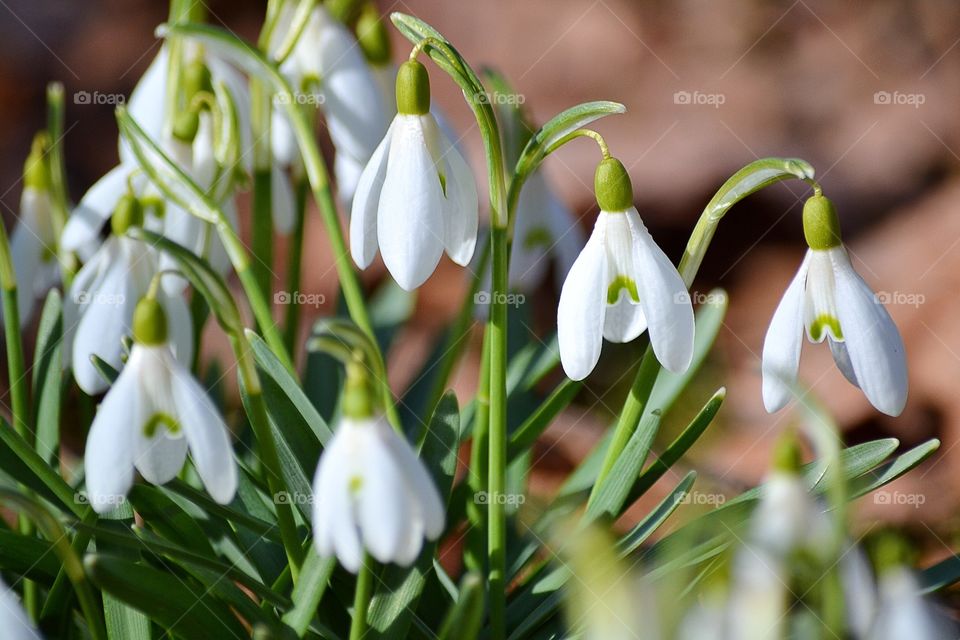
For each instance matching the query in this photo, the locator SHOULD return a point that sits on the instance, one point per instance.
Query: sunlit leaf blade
(314, 577)
(558, 128)
(47, 377)
(755, 176)
(464, 618)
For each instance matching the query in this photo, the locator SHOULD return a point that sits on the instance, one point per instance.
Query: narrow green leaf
(642, 530)
(47, 378)
(528, 432)
(106, 371)
(314, 577)
(30, 557)
(546, 139)
(893, 469)
(756, 176)
(464, 618)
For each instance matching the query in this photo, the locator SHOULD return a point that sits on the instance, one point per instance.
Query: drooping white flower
(545, 231)
(99, 310)
(903, 612)
(416, 196)
(154, 413)
(372, 492)
(14, 622)
(827, 299)
(621, 285)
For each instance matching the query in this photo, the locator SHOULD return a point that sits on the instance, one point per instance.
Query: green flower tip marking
(619, 283)
(159, 420)
(821, 226)
(823, 323)
(185, 125)
(149, 323)
(358, 393)
(413, 89)
(36, 173)
(128, 213)
(612, 185)
(373, 37)
(787, 456)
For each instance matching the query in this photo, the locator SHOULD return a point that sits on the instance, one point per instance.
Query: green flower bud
(613, 187)
(413, 89)
(36, 172)
(821, 226)
(358, 394)
(373, 37)
(196, 78)
(787, 456)
(185, 125)
(343, 10)
(128, 213)
(149, 323)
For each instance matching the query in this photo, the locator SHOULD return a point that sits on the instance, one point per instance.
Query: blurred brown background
(866, 91)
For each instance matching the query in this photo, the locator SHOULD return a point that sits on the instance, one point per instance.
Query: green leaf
(47, 378)
(755, 176)
(639, 533)
(528, 432)
(30, 557)
(106, 371)
(314, 577)
(398, 591)
(464, 618)
(941, 575)
(20, 461)
(893, 469)
(555, 132)
(181, 606)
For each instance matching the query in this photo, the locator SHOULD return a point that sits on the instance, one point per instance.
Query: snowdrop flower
(416, 196)
(153, 413)
(33, 244)
(621, 285)
(14, 622)
(103, 296)
(371, 491)
(827, 299)
(329, 68)
(544, 228)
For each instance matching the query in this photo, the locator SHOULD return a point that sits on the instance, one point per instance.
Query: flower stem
(474, 553)
(262, 238)
(291, 323)
(497, 453)
(361, 599)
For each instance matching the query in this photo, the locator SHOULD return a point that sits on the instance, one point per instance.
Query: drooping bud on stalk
(890, 552)
(128, 213)
(358, 392)
(613, 187)
(373, 37)
(413, 89)
(149, 322)
(787, 456)
(821, 226)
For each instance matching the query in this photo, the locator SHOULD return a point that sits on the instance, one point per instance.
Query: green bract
(821, 226)
(413, 89)
(613, 187)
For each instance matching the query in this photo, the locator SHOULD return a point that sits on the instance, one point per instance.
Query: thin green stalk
(497, 467)
(291, 324)
(58, 183)
(475, 551)
(262, 239)
(361, 599)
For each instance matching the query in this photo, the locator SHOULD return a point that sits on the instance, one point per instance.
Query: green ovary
(622, 282)
(161, 420)
(823, 322)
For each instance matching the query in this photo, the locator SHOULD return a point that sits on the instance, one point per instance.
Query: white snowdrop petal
(366, 203)
(26, 251)
(179, 326)
(529, 254)
(347, 171)
(283, 142)
(326, 481)
(410, 219)
(147, 102)
(872, 340)
(664, 299)
(160, 457)
(461, 210)
(581, 309)
(781, 347)
(841, 357)
(111, 448)
(207, 434)
(283, 200)
(95, 208)
(417, 480)
(14, 621)
(623, 320)
(383, 507)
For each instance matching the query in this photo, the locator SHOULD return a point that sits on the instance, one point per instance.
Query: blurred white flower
(417, 196)
(621, 285)
(98, 312)
(152, 414)
(14, 623)
(827, 299)
(902, 611)
(372, 492)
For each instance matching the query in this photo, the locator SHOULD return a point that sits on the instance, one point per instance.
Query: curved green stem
(361, 599)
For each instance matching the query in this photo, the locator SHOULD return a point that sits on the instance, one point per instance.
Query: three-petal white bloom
(416, 197)
(372, 492)
(827, 299)
(99, 310)
(152, 414)
(621, 285)
(14, 622)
